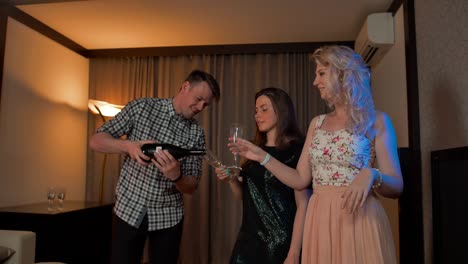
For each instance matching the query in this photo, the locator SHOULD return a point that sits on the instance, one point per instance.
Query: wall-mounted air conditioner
(375, 38)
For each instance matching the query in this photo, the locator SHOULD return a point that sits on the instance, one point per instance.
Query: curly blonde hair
(350, 79)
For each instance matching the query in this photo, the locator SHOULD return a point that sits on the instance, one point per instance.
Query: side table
(78, 233)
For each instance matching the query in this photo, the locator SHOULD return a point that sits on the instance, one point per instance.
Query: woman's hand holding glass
(223, 174)
(246, 149)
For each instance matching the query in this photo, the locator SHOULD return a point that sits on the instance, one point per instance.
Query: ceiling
(105, 24)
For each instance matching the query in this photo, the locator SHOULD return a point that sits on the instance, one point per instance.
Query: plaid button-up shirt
(144, 189)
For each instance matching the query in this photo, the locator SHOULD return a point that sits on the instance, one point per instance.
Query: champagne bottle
(176, 152)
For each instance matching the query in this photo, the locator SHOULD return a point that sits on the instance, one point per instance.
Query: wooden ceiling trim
(45, 30)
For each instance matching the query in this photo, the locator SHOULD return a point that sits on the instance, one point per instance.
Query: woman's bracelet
(266, 159)
(379, 181)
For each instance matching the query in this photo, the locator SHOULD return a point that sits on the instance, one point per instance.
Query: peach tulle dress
(331, 235)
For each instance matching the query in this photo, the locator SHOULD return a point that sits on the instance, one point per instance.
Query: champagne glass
(50, 198)
(60, 192)
(236, 131)
(212, 159)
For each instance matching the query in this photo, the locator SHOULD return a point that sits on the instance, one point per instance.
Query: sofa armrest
(23, 242)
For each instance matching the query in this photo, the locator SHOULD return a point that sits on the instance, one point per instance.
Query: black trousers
(128, 243)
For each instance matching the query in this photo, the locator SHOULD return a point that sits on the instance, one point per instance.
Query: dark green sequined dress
(268, 210)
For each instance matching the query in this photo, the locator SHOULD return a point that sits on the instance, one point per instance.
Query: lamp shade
(103, 108)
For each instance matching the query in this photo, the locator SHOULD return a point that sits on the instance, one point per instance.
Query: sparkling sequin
(269, 209)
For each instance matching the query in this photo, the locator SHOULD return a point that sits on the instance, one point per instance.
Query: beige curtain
(116, 81)
(213, 216)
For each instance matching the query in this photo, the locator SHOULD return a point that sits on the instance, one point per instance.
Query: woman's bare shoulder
(382, 121)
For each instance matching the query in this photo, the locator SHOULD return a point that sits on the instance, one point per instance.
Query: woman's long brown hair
(288, 131)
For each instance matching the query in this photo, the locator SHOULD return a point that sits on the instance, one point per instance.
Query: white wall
(389, 83)
(43, 118)
(442, 50)
(389, 88)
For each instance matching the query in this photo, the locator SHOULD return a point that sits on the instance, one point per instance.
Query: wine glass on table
(50, 198)
(60, 192)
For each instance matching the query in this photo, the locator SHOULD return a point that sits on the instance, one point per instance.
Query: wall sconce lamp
(103, 109)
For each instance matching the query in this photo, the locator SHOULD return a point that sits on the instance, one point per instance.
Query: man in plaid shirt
(149, 194)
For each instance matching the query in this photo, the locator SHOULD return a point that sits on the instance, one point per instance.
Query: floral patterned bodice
(337, 157)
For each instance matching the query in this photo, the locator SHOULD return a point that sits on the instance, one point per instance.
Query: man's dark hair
(197, 76)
